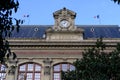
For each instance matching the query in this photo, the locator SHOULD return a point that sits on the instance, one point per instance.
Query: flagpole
(28, 20)
(98, 18)
(26, 17)
(99, 21)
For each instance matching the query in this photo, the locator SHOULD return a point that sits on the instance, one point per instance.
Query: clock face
(64, 23)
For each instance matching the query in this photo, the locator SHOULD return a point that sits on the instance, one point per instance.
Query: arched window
(29, 71)
(61, 67)
(2, 72)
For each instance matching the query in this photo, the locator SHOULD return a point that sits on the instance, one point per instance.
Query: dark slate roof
(105, 31)
(30, 31)
(90, 31)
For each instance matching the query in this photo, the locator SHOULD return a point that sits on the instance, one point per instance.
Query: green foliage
(7, 7)
(116, 1)
(96, 64)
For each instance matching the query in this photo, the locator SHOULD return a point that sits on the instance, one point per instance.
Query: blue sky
(41, 11)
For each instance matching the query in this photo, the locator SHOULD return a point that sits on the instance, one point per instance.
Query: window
(2, 72)
(61, 67)
(29, 71)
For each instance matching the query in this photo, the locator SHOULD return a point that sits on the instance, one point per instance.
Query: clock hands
(64, 23)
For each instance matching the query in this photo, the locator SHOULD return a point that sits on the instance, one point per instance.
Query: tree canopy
(7, 8)
(96, 64)
(117, 1)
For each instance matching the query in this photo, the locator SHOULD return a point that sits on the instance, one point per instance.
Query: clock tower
(64, 28)
(64, 20)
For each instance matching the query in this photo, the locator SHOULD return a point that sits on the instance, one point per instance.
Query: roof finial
(64, 8)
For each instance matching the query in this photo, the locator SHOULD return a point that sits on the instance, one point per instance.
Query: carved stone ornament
(11, 69)
(64, 12)
(47, 70)
(64, 28)
(64, 19)
(47, 66)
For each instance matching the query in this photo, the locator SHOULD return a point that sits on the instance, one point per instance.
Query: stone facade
(49, 53)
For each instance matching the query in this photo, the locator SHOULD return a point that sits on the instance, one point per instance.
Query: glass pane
(22, 67)
(64, 67)
(29, 76)
(32, 72)
(2, 72)
(57, 68)
(57, 76)
(30, 67)
(3, 68)
(37, 76)
(2, 75)
(72, 67)
(21, 76)
(37, 68)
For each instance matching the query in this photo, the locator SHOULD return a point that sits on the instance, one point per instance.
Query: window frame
(27, 71)
(2, 72)
(61, 68)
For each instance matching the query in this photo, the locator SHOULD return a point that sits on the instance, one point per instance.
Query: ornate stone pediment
(64, 28)
(64, 19)
(64, 12)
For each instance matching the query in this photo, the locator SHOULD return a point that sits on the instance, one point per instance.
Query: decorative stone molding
(47, 66)
(64, 28)
(64, 15)
(12, 69)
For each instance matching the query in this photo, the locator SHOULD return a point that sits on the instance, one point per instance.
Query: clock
(64, 23)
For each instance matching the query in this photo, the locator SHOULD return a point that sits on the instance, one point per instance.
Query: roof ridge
(35, 25)
(97, 25)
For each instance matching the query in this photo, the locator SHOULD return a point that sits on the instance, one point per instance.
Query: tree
(117, 1)
(7, 7)
(96, 64)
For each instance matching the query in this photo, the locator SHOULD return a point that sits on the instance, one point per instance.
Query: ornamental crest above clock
(64, 28)
(64, 20)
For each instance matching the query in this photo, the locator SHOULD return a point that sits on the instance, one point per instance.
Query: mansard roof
(90, 31)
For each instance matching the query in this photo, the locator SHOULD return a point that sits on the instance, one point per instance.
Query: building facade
(44, 50)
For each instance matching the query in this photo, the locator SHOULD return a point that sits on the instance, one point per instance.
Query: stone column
(47, 68)
(10, 73)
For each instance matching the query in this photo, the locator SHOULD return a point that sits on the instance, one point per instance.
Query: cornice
(37, 44)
